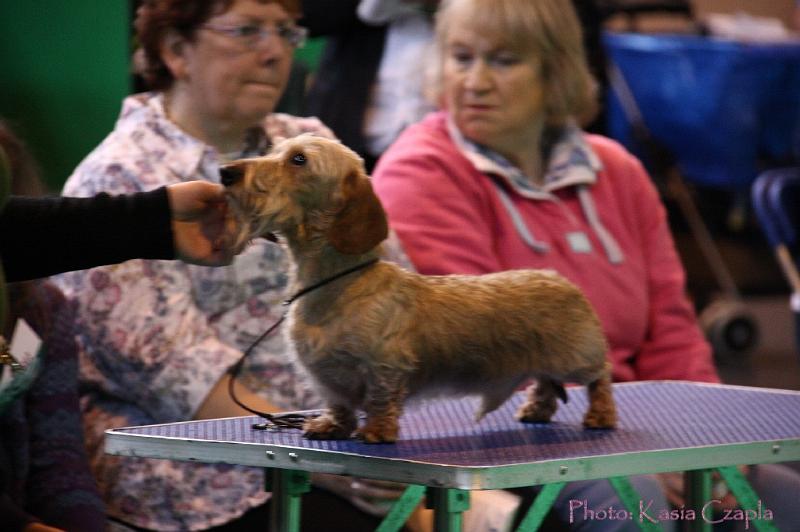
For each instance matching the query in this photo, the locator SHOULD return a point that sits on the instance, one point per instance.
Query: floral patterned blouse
(156, 336)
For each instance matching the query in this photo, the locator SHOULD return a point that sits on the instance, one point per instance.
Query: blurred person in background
(369, 85)
(45, 481)
(158, 339)
(503, 177)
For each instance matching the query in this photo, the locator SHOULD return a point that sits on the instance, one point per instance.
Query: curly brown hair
(155, 18)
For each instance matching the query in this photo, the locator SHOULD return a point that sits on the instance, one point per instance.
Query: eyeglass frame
(293, 35)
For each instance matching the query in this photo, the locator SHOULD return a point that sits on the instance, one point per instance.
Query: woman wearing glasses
(157, 338)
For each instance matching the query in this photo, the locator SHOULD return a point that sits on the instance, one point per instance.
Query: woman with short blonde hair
(502, 177)
(531, 27)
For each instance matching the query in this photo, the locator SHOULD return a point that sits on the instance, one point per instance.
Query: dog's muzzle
(230, 175)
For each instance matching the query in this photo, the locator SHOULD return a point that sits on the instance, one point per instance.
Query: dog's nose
(230, 175)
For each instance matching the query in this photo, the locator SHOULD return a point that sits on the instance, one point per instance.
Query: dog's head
(306, 188)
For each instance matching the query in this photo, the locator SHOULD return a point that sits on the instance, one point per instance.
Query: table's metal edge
(720, 385)
(451, 476)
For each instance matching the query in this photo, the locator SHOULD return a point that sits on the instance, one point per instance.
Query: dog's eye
(299, 159)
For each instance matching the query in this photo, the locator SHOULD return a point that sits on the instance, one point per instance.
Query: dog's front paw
(326, 428)
(380, 431)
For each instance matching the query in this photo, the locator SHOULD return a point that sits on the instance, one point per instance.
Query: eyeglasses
(250, 35)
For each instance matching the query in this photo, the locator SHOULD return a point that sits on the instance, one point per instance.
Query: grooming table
(663, 426)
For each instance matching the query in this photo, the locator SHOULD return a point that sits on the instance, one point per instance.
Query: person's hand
(673, 484)
(374, 497)
(41, 527)
(203, 231)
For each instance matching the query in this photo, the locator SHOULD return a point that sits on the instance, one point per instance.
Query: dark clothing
(45, 236)
(347, 69)
(591, 19)
(43, 466)
(44, 471)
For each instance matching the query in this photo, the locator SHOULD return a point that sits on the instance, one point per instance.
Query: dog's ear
(360, 224)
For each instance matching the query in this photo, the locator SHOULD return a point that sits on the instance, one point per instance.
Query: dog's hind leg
(337, 423)
(602, 413)
(496, 395)
(541, 404)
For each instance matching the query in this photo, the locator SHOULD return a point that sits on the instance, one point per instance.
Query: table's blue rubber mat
(653, 416)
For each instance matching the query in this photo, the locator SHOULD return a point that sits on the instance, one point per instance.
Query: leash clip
(7, 359)
(266, 426)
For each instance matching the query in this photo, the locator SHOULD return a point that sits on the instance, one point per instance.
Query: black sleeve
(329, 17)
(45, 236)
(347, 68)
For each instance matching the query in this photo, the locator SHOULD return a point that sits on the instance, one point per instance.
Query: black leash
(290, 420)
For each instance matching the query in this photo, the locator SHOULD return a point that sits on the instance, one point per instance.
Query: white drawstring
(523, 230)
(613, 251)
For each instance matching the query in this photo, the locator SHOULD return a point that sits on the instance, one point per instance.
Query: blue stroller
(711, 112)
(776, 197)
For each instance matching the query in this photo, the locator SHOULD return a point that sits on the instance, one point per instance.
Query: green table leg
(697, 487)
(631, 500)
(287, 487)
(448, 505)
(400, 511)
(748, 500)
(541, 505)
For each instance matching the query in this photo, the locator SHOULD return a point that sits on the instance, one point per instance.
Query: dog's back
(466, 334)
(476, 331)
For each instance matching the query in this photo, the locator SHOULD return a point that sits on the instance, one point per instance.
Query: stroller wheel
(730, 328)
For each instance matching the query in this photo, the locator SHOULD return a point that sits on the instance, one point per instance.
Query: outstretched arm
(45, 236)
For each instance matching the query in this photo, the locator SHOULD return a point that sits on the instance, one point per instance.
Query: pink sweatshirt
(452, 218)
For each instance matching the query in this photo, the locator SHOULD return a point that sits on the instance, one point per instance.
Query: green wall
(311, 53)
(64, 69)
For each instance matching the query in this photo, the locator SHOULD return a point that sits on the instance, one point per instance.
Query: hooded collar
(572, 163)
